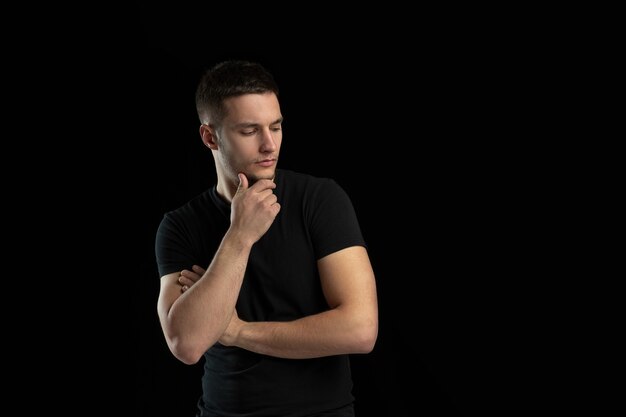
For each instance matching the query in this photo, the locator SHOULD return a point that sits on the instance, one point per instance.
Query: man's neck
(225, 190)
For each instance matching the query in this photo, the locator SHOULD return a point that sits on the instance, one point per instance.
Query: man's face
(250, 136)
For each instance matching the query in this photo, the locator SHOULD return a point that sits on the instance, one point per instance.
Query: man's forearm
(333, 332)
(199, 317)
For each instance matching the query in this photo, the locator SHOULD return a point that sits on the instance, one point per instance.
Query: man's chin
(252, 178)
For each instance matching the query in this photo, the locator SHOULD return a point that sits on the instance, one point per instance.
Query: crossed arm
(194, 319)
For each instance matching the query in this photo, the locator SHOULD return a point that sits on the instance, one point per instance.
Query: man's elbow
(366, 336)
(187, 353)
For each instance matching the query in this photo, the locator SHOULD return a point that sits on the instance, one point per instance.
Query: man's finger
(243, 182)
(198, 269)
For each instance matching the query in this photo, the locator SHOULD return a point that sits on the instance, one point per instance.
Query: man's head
(230, 79)
(237, 103)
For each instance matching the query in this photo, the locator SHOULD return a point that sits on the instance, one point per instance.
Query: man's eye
(276, 128)
(248, 132)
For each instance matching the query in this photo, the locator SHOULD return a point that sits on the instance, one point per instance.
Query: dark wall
(411, 133)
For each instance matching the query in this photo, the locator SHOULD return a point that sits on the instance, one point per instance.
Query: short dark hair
(230, 79)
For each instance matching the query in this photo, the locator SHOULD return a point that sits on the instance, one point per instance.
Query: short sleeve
(333, 221)
(172, 248)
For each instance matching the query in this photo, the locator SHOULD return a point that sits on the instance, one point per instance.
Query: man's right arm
(193, 320)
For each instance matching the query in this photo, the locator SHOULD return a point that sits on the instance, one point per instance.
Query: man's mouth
(267, 162)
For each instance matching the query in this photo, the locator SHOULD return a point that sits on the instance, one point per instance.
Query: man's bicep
(347, 278)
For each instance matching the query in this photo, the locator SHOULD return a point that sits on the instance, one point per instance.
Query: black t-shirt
(281, 283)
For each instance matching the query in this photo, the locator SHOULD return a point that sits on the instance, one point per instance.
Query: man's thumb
(243, 181)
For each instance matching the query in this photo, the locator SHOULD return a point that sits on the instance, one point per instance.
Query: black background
(422, 129)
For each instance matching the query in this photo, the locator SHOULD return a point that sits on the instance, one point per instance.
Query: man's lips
(267, 162)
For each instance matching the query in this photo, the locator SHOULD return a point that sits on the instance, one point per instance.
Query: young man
(266, 274)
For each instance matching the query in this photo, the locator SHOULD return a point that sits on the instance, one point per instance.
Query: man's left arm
(349, 326)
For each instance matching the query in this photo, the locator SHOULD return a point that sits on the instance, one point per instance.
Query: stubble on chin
(254, 178)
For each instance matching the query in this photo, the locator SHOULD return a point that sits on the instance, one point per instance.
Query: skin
(196, 307)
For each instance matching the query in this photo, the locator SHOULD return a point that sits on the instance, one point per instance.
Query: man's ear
(207, 133)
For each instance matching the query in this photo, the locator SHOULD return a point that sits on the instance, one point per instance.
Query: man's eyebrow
(244, 125)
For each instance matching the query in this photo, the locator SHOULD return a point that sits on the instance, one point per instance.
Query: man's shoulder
(191, 206)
